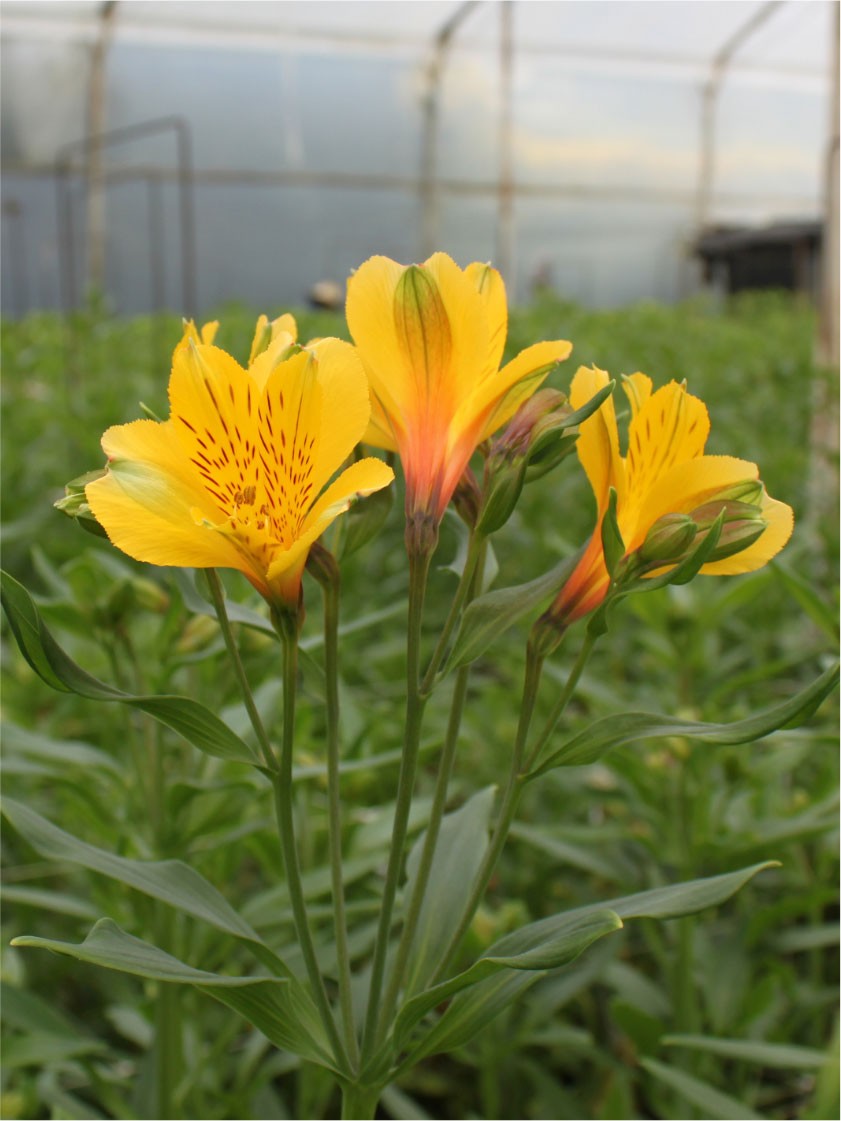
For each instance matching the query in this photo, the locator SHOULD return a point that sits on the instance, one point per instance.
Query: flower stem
(218, 596)
(471, 579)
(464, 591)
(563, 700)
(282, 786)
(359, 1103)
(428, 853)
(508, 806)
(331, 669)
(418, 571)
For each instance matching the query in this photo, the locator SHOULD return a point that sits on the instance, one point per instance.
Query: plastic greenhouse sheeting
(306, 125)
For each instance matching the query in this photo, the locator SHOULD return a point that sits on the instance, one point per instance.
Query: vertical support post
(828, 334)
(709, 106)
(430, 118)
(95, 170)
(505, 212)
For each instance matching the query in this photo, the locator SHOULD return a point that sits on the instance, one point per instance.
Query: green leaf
(514, 963)
(713, 1103)
(491, 615)
(271, 1004)
(536, 945)
(198, 725)
(171, 881)
(462, 842)
(623, 728)
(773, 1055)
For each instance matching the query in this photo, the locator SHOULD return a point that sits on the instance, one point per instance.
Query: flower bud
(75, 504)
(536, 431)
(467, 498)
(743, 525)
(533, 427)
(668, 539)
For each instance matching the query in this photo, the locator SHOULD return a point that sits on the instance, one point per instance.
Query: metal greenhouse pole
(430, 109)
(709, 105)
(96, 128)
(505, 212)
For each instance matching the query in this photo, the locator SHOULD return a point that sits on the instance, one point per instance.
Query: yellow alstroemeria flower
(665, 473)
(238, 476)
(431, 338)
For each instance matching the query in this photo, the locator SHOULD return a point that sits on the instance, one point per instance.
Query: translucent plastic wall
(306, 131)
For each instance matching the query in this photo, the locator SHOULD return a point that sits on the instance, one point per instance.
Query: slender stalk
(359, 1103)
(445, 770)
(464, 591)
(331, 669)
(282, 786)
(418, 573)
(471, 579)
(563, 700)
(508, 806)
(218, 596)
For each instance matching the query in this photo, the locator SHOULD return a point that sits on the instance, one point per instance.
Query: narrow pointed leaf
(623, 728)
(565, 944)
(491, 615)
(271, 1004)
(712, 1102)
(171, 881)
(772, 1055)
(533, 946)
(462, 842)
(197, 724)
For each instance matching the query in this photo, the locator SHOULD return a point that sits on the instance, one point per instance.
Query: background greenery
(728, 1014)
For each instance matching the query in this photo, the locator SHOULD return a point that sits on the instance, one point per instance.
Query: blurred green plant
(734, 1016)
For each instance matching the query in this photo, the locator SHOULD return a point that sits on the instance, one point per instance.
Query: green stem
(433, 828)
(471, 579)
(508, 807)
(282, 786)
(562, 701)
(418, 572)
(218, 595)
(359, 1103)
(466, 589)
(168, 1053)
(331, 670)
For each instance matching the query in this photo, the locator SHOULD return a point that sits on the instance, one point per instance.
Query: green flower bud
(668, 539)
(743, 525)
(75, 504)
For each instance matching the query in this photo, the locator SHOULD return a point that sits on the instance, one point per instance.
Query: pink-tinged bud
(530, 426)
(667, 540)
(751, 492)
(467, 498)
(743, 525)
(538, 429)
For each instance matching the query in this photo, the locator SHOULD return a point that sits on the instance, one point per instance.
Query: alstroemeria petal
(689, 485)
(496, 400)
(598, 440)
(146, 499)
(670, 427)
(342, 379)
(360, 479)
(491, 288)
(370, 317)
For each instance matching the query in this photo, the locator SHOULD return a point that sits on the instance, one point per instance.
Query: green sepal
(197, 724)
(623, 728)
(612, 544)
